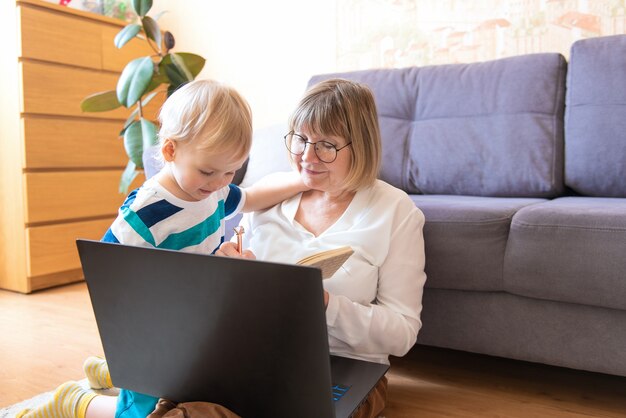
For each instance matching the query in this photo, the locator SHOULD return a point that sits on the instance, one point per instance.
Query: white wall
(267, 49)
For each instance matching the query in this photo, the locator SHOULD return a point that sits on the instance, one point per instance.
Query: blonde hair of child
(345, 109)
(209, 114)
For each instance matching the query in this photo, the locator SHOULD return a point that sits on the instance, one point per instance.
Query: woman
(373, 302)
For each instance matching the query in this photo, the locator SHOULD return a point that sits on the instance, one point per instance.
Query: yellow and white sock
(97, 372)
(70, 400)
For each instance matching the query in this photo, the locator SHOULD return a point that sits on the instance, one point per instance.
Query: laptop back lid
(245, 334)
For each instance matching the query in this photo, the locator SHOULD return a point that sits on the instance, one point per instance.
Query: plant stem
(140, 108)
(154, 48)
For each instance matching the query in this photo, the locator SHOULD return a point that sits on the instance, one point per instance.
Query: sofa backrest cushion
(595, 119)
(268, 154)
(486, 129)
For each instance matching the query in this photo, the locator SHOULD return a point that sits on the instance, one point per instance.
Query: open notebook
(328, 261)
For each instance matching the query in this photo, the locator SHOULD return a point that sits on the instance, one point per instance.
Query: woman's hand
(229, 249)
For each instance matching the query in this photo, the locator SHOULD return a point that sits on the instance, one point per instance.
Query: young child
(205, 136)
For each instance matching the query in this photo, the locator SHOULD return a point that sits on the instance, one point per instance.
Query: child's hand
(229, 249)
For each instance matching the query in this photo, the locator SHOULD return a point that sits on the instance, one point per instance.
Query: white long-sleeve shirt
(376, 296)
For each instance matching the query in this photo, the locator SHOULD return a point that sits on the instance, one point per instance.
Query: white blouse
(376, 296)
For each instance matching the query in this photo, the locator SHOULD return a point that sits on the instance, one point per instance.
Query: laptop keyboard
(339, 391)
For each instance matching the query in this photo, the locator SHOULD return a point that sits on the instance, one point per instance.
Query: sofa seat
(570, 249)
(460, 231)
(522, 328)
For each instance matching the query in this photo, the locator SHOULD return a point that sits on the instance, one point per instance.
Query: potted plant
(138, 83)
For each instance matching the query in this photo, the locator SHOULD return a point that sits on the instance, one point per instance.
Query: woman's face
(318, 175)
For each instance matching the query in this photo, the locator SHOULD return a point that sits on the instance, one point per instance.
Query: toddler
(205, 136)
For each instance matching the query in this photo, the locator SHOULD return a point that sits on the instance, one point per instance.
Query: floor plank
(45, 338)
(47, 335)
(433, 382)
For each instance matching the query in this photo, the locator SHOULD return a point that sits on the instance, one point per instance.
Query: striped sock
(70, 400)
(97, 372)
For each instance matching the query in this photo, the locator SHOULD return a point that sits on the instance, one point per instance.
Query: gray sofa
(519, 166)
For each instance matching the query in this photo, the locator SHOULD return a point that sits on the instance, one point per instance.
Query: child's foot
(70, 400)
(97, 372)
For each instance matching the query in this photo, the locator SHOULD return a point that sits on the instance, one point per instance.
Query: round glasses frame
(288, 138)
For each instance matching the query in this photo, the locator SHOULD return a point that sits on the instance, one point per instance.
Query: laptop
(245, 334)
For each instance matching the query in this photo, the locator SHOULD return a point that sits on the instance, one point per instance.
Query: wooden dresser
(59, 167)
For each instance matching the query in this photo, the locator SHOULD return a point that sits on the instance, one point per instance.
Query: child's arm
(272, 189)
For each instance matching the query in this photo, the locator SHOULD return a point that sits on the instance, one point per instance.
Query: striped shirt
(153, 217)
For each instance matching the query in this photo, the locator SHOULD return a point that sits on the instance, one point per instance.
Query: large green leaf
(176, 78)
(133, 143)
(149, 133)
(142, 7)
(129, 174)
(100, 102)
(152, 30)
(126, 34)
(157, 80)
(140, 134)
(182, 67)
(134, 80)
(158, 77)
(193, 62)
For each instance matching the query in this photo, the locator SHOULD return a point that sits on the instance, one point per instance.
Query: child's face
(195, 173)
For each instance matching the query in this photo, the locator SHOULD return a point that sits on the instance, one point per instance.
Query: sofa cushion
(465, 239)
(268, 154)
(499, 324)
(571, 249)
(595, 119)
(486, 129)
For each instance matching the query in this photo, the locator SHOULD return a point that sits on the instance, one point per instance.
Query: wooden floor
(47, 335)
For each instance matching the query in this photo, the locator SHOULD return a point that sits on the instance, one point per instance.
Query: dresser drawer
(51, 36)
(51, 142)
(46, 35)
(53, 89)
(52, 248)
(57, 196)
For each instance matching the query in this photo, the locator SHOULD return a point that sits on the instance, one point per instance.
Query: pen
(239, 232)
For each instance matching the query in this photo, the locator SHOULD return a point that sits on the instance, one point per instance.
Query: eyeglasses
(325, 151)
